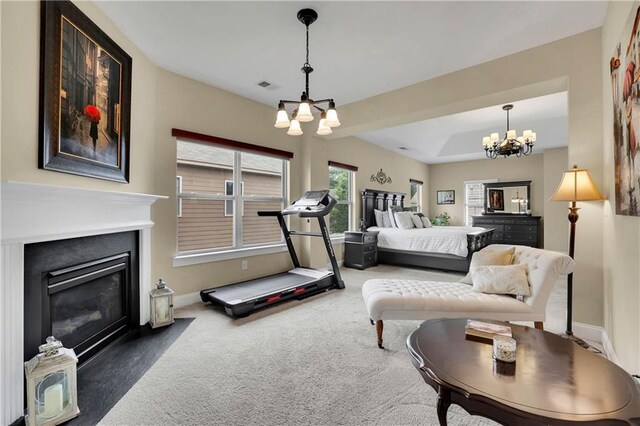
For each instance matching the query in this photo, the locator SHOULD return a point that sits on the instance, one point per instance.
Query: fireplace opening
(83, 291)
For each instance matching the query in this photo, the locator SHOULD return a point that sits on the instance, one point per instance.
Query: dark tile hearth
(109, 375)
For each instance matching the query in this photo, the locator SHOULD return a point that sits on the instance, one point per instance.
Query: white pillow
(417, 221)
(392, 219)
(511, 279)
(426, 222)
(378, 216)
(488, 256)
(386, 223)
(403, 220)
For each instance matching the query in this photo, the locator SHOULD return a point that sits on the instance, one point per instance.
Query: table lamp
(576, 185)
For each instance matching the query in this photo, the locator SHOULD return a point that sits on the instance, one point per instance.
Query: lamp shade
(295, 129)
(304, 112)
(577, 185)
(282, 119)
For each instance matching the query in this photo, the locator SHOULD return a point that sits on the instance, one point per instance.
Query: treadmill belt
(252, 289)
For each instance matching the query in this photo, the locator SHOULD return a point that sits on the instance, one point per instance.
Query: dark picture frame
(496, 199)
(447, 196)
(85, 96)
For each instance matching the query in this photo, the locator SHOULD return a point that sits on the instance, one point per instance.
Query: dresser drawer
(521, 228)
(517, 236)
(370, 237)
(369, 248)
(370, 258)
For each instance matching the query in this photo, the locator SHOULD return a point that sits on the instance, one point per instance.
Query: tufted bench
(392, 299)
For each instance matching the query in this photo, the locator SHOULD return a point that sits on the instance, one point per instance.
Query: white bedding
(437, 239)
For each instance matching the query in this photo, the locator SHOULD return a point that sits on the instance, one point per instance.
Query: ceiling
(458, 137)
(358, 50)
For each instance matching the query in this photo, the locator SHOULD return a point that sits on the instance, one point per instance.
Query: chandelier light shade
(511, 144)
(305, 107)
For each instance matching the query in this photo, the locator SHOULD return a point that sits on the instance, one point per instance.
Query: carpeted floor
(304, 362)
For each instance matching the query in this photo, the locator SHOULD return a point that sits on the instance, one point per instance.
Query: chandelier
(511, 144)
(302, 113)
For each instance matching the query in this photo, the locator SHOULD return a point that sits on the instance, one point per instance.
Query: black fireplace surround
(84, 291)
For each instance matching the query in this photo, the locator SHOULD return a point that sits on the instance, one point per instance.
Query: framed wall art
(625, 84)
(496, 199)
(85, 96)
(446, 197)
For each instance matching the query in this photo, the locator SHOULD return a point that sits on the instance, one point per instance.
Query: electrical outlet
(244, 265)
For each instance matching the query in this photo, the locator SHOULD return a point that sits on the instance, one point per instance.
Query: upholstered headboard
(375, 199)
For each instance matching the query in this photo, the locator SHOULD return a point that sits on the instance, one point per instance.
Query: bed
(404, 247)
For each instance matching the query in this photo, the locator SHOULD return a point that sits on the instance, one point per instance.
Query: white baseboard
(599, 335)
(608, 349)
(183, 300)
(588, 332)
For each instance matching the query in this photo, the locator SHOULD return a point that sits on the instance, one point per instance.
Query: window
(341, 188)
(210, 220)
(228, 190)
(474, 199)
(415, 190)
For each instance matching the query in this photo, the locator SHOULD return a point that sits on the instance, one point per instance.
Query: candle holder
(504, 349)
(161, 305)
(51, 385)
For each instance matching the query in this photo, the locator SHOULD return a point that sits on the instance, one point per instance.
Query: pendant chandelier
(303, 113)
(512, 144)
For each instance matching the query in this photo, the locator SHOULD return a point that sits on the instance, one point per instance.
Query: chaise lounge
(389, 299)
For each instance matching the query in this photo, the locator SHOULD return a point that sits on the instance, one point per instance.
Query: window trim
(349, 201)
(179, 191)
(419, 183)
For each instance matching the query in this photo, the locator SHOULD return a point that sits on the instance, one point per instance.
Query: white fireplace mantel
(33, 213)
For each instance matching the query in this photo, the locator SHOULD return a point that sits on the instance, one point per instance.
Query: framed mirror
(507, 197)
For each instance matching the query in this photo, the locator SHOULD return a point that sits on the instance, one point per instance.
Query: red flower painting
(92, 113)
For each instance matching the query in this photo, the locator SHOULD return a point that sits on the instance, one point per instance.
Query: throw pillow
(403, 220)
(378, 215)
(426, 222)
(392, 210)
(386, 223)
(417, 221)
(486, 257)
(511, 279)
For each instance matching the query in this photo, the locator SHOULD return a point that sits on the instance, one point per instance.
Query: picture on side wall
(496, 199)
(85, 96)
(625, 86)
(446, 197)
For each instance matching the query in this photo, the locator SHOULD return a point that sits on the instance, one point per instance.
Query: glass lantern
(52, 395)
(161, 305)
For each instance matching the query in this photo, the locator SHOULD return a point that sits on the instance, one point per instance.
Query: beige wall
(556, 223)
(543, 170)
(621, 238)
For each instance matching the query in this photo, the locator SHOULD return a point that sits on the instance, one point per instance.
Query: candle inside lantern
(53, 400)
(162, 308)
(504, 349)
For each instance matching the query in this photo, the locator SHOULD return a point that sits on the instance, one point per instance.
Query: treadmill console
(312, 204)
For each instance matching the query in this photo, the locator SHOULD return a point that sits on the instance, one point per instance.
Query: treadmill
(242, 298)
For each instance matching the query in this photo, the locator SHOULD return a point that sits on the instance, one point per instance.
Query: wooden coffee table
(553, 381)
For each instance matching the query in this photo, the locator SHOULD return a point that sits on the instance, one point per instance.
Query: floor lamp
(576, 185)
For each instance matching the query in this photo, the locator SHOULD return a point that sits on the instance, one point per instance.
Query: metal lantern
(161, 305)
(52, 394)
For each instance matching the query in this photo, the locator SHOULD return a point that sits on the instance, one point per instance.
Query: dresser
(360, 249)
(512, 229)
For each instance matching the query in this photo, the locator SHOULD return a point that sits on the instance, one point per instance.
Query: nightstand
(360, 249)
